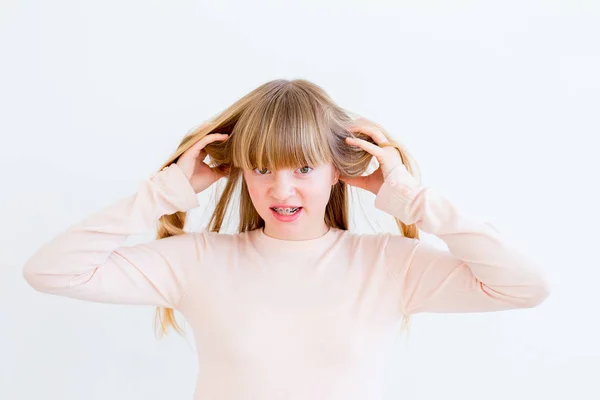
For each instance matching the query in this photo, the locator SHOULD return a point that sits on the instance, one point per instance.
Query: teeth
(286, 210)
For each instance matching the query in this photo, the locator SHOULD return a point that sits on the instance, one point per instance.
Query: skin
(387, 157)
(308, 187)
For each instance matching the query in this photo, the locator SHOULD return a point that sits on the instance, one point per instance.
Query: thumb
(358, 181)
(220, 171)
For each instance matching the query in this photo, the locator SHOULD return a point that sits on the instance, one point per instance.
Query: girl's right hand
(191, 162)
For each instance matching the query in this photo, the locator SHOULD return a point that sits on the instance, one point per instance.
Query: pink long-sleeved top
(277, 319)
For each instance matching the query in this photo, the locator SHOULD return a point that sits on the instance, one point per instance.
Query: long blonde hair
(280, 124)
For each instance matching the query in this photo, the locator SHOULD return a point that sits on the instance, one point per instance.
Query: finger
(205, 140)
(371, 131)
(219, 172)
(196, 152)
(368, 147)
(213, 137)
(358, 181)
(202, 155)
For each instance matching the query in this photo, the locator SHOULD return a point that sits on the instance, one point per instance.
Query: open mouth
(286, 211)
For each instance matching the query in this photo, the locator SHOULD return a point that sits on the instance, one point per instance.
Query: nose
(282, 187)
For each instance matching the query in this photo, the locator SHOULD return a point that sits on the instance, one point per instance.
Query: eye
(260, 173)
(304, 169)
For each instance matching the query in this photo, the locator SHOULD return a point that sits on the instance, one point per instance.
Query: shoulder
(382, 243)
(216, 240)
(216, 237)
(377, 238)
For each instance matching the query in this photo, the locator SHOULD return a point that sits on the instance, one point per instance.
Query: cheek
(317, 194)
(257, 193)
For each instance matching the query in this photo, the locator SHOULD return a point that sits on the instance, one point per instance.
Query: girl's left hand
(387, 157)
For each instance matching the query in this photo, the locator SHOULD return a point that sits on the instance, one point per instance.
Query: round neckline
(303, 244)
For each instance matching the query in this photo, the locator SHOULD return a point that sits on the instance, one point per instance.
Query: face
(305, 188)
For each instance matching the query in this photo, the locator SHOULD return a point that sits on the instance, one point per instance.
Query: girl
(293, 305)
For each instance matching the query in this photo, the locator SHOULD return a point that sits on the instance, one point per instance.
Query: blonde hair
(280, 124)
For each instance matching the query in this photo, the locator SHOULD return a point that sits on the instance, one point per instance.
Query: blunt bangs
(283, 130)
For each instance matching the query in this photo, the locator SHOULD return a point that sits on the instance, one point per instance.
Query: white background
(498, 101)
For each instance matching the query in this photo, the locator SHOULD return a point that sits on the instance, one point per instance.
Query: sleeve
(481, 271)
(89, 262)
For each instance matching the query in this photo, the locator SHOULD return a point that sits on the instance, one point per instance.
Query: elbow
(48, 272)
(32, 276)
(35, 277)
(535, 294)
(522, 295)
(32, 270)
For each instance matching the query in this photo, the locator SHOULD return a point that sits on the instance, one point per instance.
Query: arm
(480, 272)
(88, 262)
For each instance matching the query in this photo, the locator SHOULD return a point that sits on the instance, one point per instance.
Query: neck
(296, 234)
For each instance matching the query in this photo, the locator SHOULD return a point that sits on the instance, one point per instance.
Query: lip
(283, 206)
(287, 218)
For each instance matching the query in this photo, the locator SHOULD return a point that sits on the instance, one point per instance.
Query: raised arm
(482, 271)
(88, 260)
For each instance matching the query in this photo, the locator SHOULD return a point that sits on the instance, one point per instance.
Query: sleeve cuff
(397, 193)
(176, 187)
